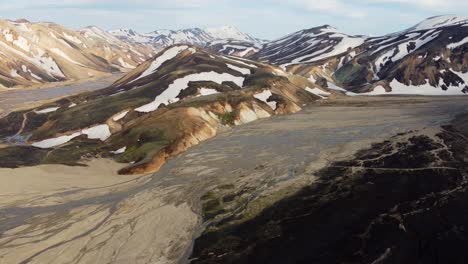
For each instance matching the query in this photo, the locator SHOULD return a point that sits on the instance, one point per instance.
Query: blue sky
(267, 19)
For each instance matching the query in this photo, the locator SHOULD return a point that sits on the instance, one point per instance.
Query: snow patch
(244, 71)
(170, 94)
(101, 132)
(335, 87)
(458, 44)
(263, 96)
(425, 89)
(320, 93)
(247, 51)
(14, 73)
(157, 62)
(53, 142)
(46, 110)
(120, 116)
(119, 151)
(207, 91)
(239, 62)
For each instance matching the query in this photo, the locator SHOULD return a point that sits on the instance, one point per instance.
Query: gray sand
(153, 219)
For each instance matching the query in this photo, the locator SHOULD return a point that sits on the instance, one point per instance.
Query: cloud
(446, 4)
(333, 7)
(113, 3)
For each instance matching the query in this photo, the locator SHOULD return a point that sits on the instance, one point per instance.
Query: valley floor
(16, 99)
(90, 215)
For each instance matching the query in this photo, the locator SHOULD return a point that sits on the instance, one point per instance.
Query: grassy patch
(212, 208)
(71, 154)
(227, 118)
(136, 154)
(208, 196)
(351, 74)
(226, 187)
(14, 157)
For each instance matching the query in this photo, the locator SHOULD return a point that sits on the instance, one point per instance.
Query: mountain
(36, 53)
(129, 35)
(192, 36)
(308, 46)
(177, 99)
(237, 48)
(230, 32)
(428, 58)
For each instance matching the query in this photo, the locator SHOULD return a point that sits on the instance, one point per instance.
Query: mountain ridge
(193, 36)
(44, 52)
(403, 62)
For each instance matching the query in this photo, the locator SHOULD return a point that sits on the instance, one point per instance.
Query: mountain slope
(308, 46)
(180, 97)
(115, 51)
(35, 53)
(237, 48)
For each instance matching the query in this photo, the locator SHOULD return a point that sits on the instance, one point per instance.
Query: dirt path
(154, 219)
(23, 124)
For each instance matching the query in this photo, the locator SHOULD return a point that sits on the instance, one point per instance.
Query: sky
(267, 19)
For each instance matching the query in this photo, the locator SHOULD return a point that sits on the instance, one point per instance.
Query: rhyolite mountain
(38, 53)
(180, 97)
(192, 36)
(429, 58)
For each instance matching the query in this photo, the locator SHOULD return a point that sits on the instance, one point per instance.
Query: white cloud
(134, 3)
(334, 7)
(447, 4)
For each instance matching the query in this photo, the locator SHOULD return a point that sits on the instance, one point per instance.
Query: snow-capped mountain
(308, 46)
(230, 33)
(192, 36)
(129, 35)
(35, 53)
(428, 58)
(439, 21)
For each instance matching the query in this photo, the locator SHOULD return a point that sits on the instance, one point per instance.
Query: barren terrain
(91, 215)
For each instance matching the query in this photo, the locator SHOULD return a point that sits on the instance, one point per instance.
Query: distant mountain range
(428, 58)
(192, 36)
(37, 53)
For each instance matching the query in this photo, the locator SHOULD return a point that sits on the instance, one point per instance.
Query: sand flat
(83, 215)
